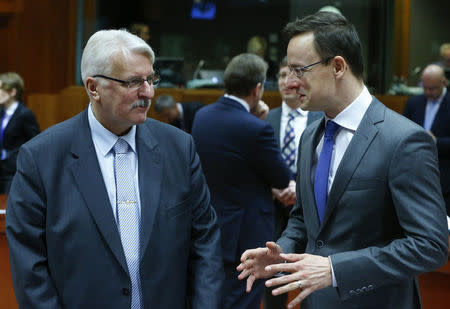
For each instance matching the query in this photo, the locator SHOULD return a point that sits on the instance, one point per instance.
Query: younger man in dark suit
(180, 115)
(242, 162)
(431, 110)
(17, 126)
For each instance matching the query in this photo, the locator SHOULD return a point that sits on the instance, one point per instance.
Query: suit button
(320, 244)
(352, 293)
(126, 292)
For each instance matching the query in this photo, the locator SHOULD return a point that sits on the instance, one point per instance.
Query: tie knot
(293, 113)
(331, 128)
(121, 146)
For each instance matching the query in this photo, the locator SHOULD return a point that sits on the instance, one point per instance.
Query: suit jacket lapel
(306, 162)
(358, 146)
(420, 115)
(88, 176)
(277, 124)
(150, 179)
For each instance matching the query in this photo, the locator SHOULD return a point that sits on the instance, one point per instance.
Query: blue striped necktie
(289, 150)
(128, 216)
(323, 169)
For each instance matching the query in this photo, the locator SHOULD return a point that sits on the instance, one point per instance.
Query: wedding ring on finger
(299, 284)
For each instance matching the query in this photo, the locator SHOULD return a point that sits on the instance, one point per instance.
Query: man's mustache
(141, 103)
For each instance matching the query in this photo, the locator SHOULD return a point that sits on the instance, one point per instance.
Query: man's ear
(339, 66)
(257, 90)
(91, 86)
(13, 92)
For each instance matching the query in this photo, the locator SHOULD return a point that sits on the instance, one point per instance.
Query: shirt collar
(245, 104)
(286, 109)
(180, 109)
(352, 115)
(441, 97)
(11, 109)
(104, 139)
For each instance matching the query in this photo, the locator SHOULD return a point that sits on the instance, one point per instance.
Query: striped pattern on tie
(128, 216)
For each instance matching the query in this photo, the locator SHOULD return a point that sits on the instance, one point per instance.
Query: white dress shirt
(8, 114)
(349, 120)
(299, 123)
(431, 110)
(104, 141)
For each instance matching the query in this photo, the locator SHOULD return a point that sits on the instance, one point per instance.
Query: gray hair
(104, 46)
(163, 101)
(243, 73)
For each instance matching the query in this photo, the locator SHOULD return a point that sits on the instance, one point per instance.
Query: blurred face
(170, 114)
(433, 86)
(6, 96)
(446, 58)
(145, 34)
(118, 107)
(288, 95)
(316, 87)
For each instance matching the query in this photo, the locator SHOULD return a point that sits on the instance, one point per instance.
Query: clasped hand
(287, 195)
(307, 272)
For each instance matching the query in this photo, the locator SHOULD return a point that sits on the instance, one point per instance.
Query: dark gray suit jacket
(385, 220)
(64, 245)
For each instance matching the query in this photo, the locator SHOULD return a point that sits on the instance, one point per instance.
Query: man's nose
(291, 81)
(147, 90)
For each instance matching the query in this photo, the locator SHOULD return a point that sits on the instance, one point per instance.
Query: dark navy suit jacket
(242, 162)
(21, 128)
(415, 110)
(64, 245)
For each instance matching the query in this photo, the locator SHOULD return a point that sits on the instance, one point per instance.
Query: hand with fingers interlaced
(306, 272)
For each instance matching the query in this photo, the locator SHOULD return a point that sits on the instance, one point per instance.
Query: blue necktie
(2, 116)
(289, 150)
(323, 168)
(128, 216)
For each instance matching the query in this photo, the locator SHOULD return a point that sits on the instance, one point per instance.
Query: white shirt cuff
(332, 273)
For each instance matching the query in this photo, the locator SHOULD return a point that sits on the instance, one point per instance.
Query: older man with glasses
(110, 209)
(369, 216)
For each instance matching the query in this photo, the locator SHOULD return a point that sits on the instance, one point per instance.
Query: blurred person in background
(18, 125)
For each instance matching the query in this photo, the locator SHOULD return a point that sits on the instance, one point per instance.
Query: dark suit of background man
(242, 162)
(432, 111)
(369, 216)
(110, 209)
(17, 126)
(288, 121)
(180, 115)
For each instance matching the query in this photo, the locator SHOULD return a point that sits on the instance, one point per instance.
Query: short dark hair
(164, 101)
(243, 73)
(334, 36)
(12, 80)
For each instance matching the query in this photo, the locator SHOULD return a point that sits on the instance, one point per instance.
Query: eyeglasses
(134, 83)
(299, 71)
